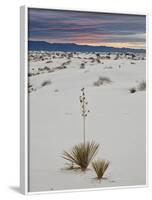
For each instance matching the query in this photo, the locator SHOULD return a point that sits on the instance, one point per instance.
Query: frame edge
(23, 103)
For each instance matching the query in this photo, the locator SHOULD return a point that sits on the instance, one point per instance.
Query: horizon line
(87, 45)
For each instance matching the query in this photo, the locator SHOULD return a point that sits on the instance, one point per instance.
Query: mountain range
(72, 47)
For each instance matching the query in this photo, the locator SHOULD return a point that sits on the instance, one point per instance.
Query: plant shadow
(75, 170)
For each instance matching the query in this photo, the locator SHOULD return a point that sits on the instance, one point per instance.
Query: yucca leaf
(100, 166)
(82, 154)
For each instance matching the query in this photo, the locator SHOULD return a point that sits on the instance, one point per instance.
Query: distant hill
(71, 47)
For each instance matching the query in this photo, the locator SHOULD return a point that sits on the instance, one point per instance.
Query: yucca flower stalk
(84, 111)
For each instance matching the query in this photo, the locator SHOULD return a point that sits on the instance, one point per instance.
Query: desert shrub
(102, 80)
(133, 56)
(132, 90)
(81, 155)
(29, 85)
(61, 67)
(98, 54)
(46, 68)
(56, 90)
(142, 86)
(100, 166)
(110, 67)
(40, 69)
(37, 73)
(98, 60)
(117, 57)
(107, 57)
(44, 83)
(30, 74)
(82, 66)
(49, 61)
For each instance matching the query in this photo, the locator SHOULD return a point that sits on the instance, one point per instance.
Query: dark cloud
(86, 27)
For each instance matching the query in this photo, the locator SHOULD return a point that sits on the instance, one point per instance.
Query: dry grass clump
(140, 87)
(102, 80)
(45, 83)
(100, 166)
(81, 155)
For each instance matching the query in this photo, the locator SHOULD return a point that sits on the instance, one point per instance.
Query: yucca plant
(81, 155)
(100, 166)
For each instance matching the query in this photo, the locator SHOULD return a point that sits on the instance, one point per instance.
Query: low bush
(102, 80)
(82, 66)
(132, 90)
(44, 83)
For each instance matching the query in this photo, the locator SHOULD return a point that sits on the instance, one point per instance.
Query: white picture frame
(24, 139)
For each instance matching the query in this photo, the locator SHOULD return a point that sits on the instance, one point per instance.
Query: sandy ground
(117, 120)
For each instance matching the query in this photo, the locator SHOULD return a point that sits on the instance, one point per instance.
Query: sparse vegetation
(82, 66)
(56, 90)
(98, 60)
(117, 57)
(132, 90)
(29, 85)
(30, 74)
(81, 155)
(46, 68)
(100, 167)
(142, 86)
(110, 67)
(45, 83)
(102, 80)
(49, 61)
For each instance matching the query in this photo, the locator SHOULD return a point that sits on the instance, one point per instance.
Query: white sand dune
(117, 120)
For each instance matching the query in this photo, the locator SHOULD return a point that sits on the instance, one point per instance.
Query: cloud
(85, 27)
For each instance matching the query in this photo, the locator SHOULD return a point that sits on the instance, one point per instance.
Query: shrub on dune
(100, 167)
(82, 154)
(82, 66)
(142, 86)
(132, 90)
(102, 80)
(44, 83)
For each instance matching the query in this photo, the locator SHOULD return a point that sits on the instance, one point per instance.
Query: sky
(96, 29)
